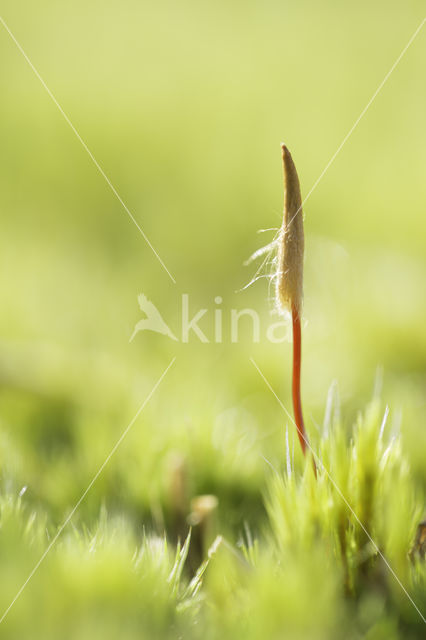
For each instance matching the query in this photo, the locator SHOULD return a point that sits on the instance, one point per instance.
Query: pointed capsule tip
(285, 153)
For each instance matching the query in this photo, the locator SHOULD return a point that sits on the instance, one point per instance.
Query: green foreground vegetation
(311, 570)
(207, 522)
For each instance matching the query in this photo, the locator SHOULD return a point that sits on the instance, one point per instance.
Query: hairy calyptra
(289, 281)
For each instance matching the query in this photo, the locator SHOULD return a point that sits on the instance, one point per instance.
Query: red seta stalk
(297, 402)
(297, 357)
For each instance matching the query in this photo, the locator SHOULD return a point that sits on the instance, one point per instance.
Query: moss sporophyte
(289, 278)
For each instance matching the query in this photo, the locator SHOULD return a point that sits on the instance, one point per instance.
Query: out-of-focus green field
(184, 106)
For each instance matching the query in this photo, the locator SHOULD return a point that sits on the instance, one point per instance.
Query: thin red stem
(297, 402)
(297, 358)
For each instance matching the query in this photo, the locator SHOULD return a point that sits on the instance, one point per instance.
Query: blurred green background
(184, 106)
